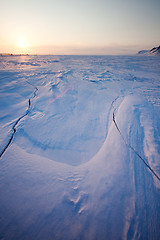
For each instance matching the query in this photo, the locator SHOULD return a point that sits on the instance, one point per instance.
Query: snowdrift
(68, 172)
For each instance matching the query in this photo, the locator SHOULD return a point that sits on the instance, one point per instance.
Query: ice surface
(67, 173)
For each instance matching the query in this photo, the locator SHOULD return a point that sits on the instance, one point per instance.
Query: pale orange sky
(79, 27)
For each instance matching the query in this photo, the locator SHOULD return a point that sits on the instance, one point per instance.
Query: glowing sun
(22, 43)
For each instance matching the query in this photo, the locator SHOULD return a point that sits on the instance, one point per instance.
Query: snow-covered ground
(66, 172)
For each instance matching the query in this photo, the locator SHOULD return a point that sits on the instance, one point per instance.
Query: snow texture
(70, 130)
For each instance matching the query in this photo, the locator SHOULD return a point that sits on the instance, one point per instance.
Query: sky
(79, 26)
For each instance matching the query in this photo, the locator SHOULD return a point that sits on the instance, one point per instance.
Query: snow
(154, 51)
(68, 173)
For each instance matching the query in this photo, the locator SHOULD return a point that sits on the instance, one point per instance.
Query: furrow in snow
(16, 123)
(129, 146)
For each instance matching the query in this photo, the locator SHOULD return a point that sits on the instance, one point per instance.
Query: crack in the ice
(18, 120)
(128, 145)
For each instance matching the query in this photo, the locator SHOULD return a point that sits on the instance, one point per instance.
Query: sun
(22, 43)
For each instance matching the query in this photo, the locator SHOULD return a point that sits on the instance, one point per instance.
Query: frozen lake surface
(80, 147)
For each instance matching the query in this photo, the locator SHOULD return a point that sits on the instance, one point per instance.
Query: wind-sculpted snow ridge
(128, 145)
(17, 121)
